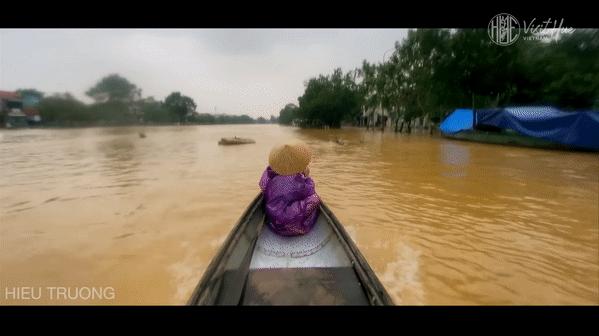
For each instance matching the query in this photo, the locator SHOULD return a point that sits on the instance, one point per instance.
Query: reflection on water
(440, 221)
(456, 157)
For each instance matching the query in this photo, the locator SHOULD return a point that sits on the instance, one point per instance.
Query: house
(372, 117)
(11, 110)
(31, 100)
(19, 109)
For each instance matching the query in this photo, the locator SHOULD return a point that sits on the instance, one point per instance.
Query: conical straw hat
(289, 159)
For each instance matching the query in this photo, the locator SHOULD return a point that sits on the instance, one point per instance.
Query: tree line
(117, 101)
(434, 71)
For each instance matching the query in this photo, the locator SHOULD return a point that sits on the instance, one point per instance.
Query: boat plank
(304, 286)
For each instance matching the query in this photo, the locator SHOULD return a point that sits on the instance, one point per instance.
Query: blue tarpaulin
(459, 120)
(577, 129)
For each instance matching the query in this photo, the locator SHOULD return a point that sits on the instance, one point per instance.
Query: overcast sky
(253, 72)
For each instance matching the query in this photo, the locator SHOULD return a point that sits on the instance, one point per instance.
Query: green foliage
(202, 118)
(112, 113)
(572, 70)
(114, 88)
(118, 102)
(329, 100)
(464, 68)
(64, 110)
(288, 114)
(156, 112)
(434, 71)
(179, 105)
(233, 119)
(207, 119)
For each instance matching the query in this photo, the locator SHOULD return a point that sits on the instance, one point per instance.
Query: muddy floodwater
(439, 221)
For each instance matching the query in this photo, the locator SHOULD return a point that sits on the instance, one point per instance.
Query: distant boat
(534, 126)
(235, 141)
(257, 267)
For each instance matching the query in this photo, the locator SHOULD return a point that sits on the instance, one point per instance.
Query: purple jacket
(291, 202)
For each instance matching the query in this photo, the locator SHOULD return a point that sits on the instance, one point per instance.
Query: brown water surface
(440, 221)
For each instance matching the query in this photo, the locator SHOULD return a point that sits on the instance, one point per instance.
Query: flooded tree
(114, 88)
(434, 71)
(179, 105)
(64, 110)
(329, 100)
(288, 114)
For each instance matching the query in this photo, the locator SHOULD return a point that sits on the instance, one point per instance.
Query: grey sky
(253, 72)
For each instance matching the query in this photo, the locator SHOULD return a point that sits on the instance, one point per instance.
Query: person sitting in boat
(290, 198)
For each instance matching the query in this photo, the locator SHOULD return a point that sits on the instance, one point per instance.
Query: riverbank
(62, 126)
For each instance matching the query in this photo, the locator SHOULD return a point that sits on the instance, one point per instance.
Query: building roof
(9, 95)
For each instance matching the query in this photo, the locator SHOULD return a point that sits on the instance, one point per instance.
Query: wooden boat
(257, 267)
(235, 141)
